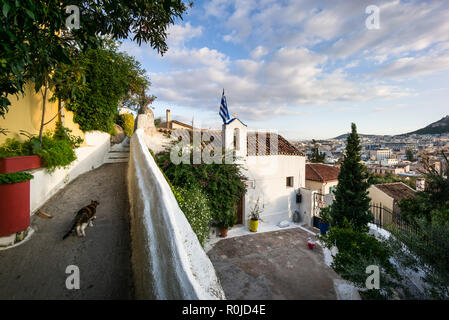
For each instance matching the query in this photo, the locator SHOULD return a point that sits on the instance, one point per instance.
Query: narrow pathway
(36, 269)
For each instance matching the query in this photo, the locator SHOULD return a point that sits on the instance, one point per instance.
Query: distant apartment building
(380, 154)
(389, 162)
(394, 170)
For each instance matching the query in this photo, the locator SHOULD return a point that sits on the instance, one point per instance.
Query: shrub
(224, 184)
(14, 148)
(127, 123)
(356, 251)
(15, 177)
(57, 149)
(195, 205)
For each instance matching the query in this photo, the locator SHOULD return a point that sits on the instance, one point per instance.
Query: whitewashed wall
(269, 174)
(45, 185)
(168, 260)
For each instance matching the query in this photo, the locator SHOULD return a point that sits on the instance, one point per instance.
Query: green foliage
(224, 184)
(107, 75)
(317, 157)
(358, 250)
(195, 205)
(35, 38)
(256, 211)
(352, 203)
(389, 178)
(433, 203)
(56, 149)
(15, 177)
(126, 121)
(428, 246)
(157, 122)
(14, 148)
(410, 156)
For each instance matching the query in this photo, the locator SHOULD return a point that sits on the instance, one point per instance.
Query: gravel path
(37, 268)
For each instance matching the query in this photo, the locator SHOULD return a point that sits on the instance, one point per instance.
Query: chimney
(168, 116)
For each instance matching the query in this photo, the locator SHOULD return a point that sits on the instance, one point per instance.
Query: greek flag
(224, 113)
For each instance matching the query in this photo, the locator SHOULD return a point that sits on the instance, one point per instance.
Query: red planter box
(14, 207)
(15, 164)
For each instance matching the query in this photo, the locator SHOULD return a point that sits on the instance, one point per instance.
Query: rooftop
(321, 172)
(396, 190)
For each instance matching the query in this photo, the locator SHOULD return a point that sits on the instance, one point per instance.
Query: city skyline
(307, 69)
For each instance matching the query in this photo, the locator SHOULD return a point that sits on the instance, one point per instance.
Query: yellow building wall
(25, 114)
(379, 198)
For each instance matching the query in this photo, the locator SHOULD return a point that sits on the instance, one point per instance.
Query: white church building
(275, 169)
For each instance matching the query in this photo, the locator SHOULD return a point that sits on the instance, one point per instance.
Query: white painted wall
(168, 260)
(270, 173)
(45, 185)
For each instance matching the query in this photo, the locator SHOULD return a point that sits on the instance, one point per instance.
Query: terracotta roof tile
(396, 190)
(321, 172)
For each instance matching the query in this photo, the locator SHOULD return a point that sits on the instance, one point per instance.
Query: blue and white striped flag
(224, 113)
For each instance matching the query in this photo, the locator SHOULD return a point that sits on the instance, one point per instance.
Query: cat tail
(69, 232)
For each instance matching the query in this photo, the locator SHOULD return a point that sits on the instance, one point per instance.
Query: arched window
(236, 139)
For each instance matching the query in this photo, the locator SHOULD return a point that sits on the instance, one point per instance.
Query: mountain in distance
(438, 127)
(361, 135)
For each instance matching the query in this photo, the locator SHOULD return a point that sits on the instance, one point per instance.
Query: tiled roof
(283, 146)
(396, 190)
(253, 148)
(321, 172)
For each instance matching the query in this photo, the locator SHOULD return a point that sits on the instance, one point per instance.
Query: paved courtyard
(273, 265)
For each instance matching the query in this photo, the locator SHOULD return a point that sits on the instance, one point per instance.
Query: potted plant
(14, 202)
(226, 221)
(17, 156)
(324, 222)
(254, 217)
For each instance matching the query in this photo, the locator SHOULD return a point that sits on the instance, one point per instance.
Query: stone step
(115, 160)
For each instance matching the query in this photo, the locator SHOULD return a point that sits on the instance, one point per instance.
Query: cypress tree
(352, 203)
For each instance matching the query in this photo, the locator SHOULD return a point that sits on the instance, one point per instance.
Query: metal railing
(391, 221)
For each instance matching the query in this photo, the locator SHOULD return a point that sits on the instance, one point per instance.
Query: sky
(305, 68)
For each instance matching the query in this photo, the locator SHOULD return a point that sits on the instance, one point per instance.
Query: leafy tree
(317, 157)
(389, 178)
(433, 202)
(96, 83)
(351, 203)
(137, 97)
(410, 156)
(35, 36)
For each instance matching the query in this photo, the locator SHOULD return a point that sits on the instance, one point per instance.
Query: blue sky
(306, 68)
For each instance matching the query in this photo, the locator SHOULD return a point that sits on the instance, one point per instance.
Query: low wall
(168, 260)
(45, 185)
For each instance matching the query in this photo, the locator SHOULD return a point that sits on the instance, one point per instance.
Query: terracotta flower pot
(14, 207)
(223, 232)
(15, 164)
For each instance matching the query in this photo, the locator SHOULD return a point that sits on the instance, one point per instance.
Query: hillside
(438, 127)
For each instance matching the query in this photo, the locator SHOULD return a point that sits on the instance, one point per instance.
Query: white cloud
(178, 34)
(259, 52)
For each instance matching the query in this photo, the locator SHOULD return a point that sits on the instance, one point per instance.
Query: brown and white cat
(83, 218)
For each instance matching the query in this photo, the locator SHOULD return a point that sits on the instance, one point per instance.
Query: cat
(83, 218)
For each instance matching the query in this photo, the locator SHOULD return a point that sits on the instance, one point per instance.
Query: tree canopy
(34, 35)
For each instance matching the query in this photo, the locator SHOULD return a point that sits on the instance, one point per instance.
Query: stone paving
(273, 265)
(36, 269)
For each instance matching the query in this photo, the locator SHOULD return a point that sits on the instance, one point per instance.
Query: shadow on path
(36, 269)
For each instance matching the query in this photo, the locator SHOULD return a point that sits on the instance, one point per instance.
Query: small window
(289, 182)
